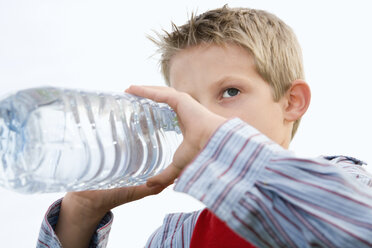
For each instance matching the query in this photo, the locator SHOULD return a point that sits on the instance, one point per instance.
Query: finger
(157, 93)
(165, 178)
(142, 191)
(127, 194)
(148, 91)
(137, 89)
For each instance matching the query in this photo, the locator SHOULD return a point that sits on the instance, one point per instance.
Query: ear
(297, 100)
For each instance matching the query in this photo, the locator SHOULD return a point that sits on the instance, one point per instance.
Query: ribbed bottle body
(56, 140)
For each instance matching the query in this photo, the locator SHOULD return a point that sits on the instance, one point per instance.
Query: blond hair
(272, 43)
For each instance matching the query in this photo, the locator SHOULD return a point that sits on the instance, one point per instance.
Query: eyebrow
(229, 78)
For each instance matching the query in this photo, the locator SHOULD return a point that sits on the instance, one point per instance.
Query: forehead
(209, 63)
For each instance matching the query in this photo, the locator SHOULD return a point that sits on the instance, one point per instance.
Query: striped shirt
(264, 193)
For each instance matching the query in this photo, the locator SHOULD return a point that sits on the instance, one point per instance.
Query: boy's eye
(230, 92)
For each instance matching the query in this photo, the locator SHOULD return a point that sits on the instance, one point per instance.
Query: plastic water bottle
(54, 140)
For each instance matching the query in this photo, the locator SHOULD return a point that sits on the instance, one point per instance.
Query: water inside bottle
(59, 140)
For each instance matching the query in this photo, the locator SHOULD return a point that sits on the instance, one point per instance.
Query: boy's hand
(82, 211)
(197, 124)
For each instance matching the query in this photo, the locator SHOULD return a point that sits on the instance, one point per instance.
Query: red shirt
(210, 231)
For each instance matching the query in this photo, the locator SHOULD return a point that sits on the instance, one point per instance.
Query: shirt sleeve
(48, 238)
(353, 167)
(176, 231)
(273, 198)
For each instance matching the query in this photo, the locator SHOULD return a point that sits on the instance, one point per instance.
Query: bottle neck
(168, 118)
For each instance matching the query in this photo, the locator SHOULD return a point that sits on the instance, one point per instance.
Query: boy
(236, 83)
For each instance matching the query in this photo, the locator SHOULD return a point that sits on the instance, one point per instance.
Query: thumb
(166, 177)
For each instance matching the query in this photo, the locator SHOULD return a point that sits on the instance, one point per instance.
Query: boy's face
(224, 79)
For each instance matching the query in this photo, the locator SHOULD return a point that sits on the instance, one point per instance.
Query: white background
(102, 45)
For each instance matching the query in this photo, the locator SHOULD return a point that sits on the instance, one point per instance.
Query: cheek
(266, 120)
(246, 112)
(272, 123)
